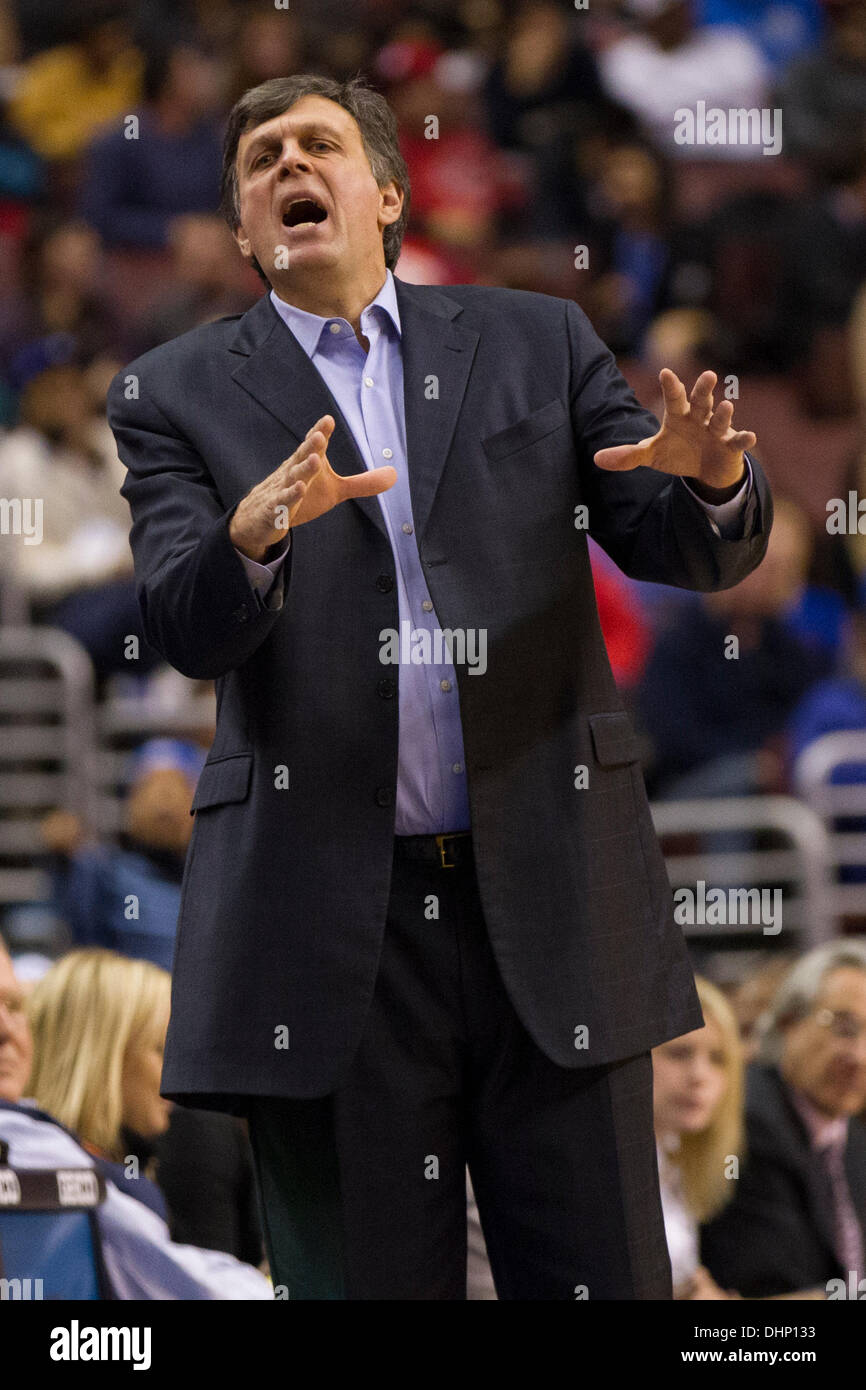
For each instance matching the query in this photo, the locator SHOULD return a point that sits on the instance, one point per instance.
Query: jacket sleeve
(198, 607)
(651, 524)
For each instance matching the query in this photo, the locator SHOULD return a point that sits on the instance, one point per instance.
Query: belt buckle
(440, 841)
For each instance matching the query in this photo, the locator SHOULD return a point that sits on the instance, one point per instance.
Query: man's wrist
(717, 495)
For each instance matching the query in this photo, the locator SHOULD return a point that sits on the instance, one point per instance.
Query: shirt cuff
(263, 578)
(727, 516)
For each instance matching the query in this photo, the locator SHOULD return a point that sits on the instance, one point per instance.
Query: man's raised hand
(695, 441)
(303, 487)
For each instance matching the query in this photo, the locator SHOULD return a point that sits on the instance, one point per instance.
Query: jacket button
(387, 688)
(384, 583)
(384, 796)
(241, 614)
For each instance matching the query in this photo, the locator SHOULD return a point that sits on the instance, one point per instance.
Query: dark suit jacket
(776, 1235)
(286, 890)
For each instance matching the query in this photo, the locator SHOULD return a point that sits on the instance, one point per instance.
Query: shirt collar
(308, 328)
(825, 1132)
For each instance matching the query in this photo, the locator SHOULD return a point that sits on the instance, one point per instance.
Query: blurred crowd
(543, 154)
(759, 1116)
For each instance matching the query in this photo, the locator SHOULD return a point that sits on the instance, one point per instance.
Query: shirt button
(406, 528)
(368, 381)
(384, 583)
(387, 688)
(456, 767)
(335, 328)
(427, 605)
(445, 685)
(387, 453)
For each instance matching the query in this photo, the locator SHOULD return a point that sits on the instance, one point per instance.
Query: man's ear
(390, 204)
(243, 242)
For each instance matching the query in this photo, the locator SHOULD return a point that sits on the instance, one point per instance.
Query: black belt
(448, 851)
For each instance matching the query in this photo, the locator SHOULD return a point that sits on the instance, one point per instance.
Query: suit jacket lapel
(437, 359)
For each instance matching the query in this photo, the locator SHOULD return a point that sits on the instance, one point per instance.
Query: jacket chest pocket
(527, 431)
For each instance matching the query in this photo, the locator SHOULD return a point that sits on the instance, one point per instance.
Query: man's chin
(304, 258)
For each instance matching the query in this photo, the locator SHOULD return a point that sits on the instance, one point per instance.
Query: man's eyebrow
(320, 128)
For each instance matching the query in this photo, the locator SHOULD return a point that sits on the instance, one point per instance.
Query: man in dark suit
(797, 1217)
(425, 919)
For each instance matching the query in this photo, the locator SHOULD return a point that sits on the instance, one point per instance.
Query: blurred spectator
(75, 568)
(135, 185)
(698, 1117)
(59, 312)
(798, 1212)
(782, 29)
(21, 171)
(16, 1042)
(837, 703)
(716, 713)
(65, 94)
(632, 246)
(821, 254)
(671, 63)
(542, 98)
(206, 281)
(271, 43)
(461, 182)
(752, 997)
(823, 95)
(141, 1260)
(99, 1024)
(126, 896)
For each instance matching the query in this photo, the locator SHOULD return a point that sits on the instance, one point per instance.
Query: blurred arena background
(555, 168)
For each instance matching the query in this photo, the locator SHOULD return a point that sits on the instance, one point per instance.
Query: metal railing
(801, 870)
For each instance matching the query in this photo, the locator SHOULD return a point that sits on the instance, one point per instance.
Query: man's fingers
(315, 441)
(370, 483)
(676, 401)
(701, 399)
(302, 470)
(326, 423)
(721, 420)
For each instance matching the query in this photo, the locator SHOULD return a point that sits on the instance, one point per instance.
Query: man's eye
(326, 143)
(257, 161)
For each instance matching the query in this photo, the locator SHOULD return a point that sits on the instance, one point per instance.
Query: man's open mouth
(303, 212)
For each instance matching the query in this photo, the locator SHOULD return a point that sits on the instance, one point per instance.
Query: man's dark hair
(376, 122)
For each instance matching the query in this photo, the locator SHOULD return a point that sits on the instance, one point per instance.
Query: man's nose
(293, 160)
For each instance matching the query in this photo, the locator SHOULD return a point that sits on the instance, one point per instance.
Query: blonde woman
(99, 1022)
(698, 1117)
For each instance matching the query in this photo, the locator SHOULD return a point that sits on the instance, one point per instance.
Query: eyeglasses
(845, 1026)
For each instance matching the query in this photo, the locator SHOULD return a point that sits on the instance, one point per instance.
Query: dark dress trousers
(287, 891)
